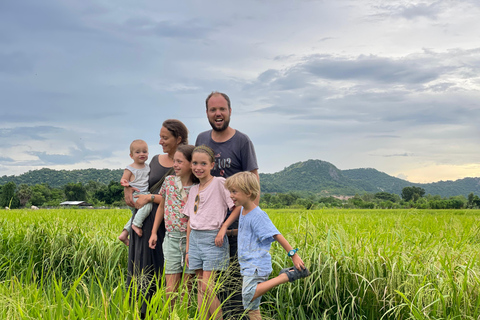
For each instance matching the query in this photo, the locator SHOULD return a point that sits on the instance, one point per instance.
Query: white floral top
(174, 218)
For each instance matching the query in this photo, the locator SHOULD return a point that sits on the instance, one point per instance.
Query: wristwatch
(292, 252)
(153, 198)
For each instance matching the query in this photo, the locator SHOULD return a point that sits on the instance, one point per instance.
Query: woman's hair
(177, 129)
(246, 182)
(207, 150)
(187, 151)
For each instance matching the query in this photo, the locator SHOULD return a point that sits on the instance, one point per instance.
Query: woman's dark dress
(145, 263)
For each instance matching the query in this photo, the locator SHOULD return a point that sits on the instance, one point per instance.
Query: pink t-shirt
(212, 207)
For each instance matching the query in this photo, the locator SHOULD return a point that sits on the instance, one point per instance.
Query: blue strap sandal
(295, 274)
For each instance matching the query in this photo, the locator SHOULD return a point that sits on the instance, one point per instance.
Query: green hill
(59, 178)
(324, 178)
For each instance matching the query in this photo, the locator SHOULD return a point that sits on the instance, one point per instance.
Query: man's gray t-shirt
(234, 155)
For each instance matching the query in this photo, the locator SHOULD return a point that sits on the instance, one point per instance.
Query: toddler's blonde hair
(136, 143)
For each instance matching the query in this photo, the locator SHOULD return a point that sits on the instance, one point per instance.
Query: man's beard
(222, 128)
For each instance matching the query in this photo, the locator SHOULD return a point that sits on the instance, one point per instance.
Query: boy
(136, 176)
(255, 234)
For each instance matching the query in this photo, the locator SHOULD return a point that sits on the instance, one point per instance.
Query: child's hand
(219, 237)
(298, 262)
(152, 242)
(124, 183)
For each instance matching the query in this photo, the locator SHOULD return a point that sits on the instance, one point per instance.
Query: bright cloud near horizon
(392, 85)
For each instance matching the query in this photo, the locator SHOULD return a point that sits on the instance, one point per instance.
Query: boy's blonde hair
(135, 143)
(246, 182)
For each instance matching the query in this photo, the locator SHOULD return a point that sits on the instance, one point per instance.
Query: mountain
(324, 178)
(316, 176)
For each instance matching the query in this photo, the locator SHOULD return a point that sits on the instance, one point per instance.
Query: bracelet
(153, 198)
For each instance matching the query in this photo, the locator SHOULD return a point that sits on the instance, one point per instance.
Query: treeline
(411, 197)
(42, 195)
(111, 195)
(60, 178)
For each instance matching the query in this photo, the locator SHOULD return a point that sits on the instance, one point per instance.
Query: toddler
(136, 176)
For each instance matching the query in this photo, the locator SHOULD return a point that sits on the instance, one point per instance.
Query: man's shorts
(248, 291)
(204, 254)
(174, 249)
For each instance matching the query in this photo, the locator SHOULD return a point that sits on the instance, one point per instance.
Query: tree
(412, 193)
(24, 194)
(75, 192)
(385, 196)
(110, 194)
(8, 197)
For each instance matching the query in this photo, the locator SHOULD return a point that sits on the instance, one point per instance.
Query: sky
(390, 85)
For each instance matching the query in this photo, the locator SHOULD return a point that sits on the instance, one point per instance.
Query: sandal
(295, 274)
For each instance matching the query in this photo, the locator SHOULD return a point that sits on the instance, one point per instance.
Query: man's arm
(255, 172)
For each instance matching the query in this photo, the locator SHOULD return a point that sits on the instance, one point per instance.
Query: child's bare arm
(221, 233)
(127, 175)
(297, 261)
(127, 191)
(188, 240)
(152, 242)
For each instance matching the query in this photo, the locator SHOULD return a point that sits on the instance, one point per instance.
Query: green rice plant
(365, 264)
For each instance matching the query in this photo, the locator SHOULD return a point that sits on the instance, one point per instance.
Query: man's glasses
(197, 201)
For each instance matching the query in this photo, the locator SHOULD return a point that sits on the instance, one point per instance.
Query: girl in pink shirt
(207, 243)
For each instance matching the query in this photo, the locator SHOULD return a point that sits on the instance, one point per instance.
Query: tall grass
(366, 264)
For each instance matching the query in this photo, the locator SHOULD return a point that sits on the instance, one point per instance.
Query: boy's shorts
(174, 249)
(248, 291)
(204, 254)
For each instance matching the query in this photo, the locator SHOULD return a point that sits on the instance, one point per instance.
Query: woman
(144, 264)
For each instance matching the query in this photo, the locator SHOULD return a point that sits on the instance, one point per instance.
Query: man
(234, 152)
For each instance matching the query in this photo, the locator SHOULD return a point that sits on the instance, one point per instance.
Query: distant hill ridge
(316, 176)
(321, 177)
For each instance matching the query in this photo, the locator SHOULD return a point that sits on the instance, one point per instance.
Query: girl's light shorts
(204, 254)
(174, 249)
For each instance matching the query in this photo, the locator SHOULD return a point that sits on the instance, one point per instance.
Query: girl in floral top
(174, 194)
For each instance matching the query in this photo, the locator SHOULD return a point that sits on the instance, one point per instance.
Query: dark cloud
(397, 155)
(413, 11)
(370, 68)
(75, 155)
(35, 133)
(6, 160)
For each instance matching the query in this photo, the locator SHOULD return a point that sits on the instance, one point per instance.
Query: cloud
(413, 11)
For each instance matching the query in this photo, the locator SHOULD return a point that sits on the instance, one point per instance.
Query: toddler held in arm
(256, 232)
(136, 176)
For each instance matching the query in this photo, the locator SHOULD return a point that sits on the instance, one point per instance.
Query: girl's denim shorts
(204, 254)
(174, 249)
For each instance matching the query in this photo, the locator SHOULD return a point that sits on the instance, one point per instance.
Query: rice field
(365, 264)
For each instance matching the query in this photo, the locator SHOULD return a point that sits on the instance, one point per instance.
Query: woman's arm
(152, 242)
(143, 199)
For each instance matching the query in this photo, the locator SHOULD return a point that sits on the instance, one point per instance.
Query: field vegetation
(366, 264)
